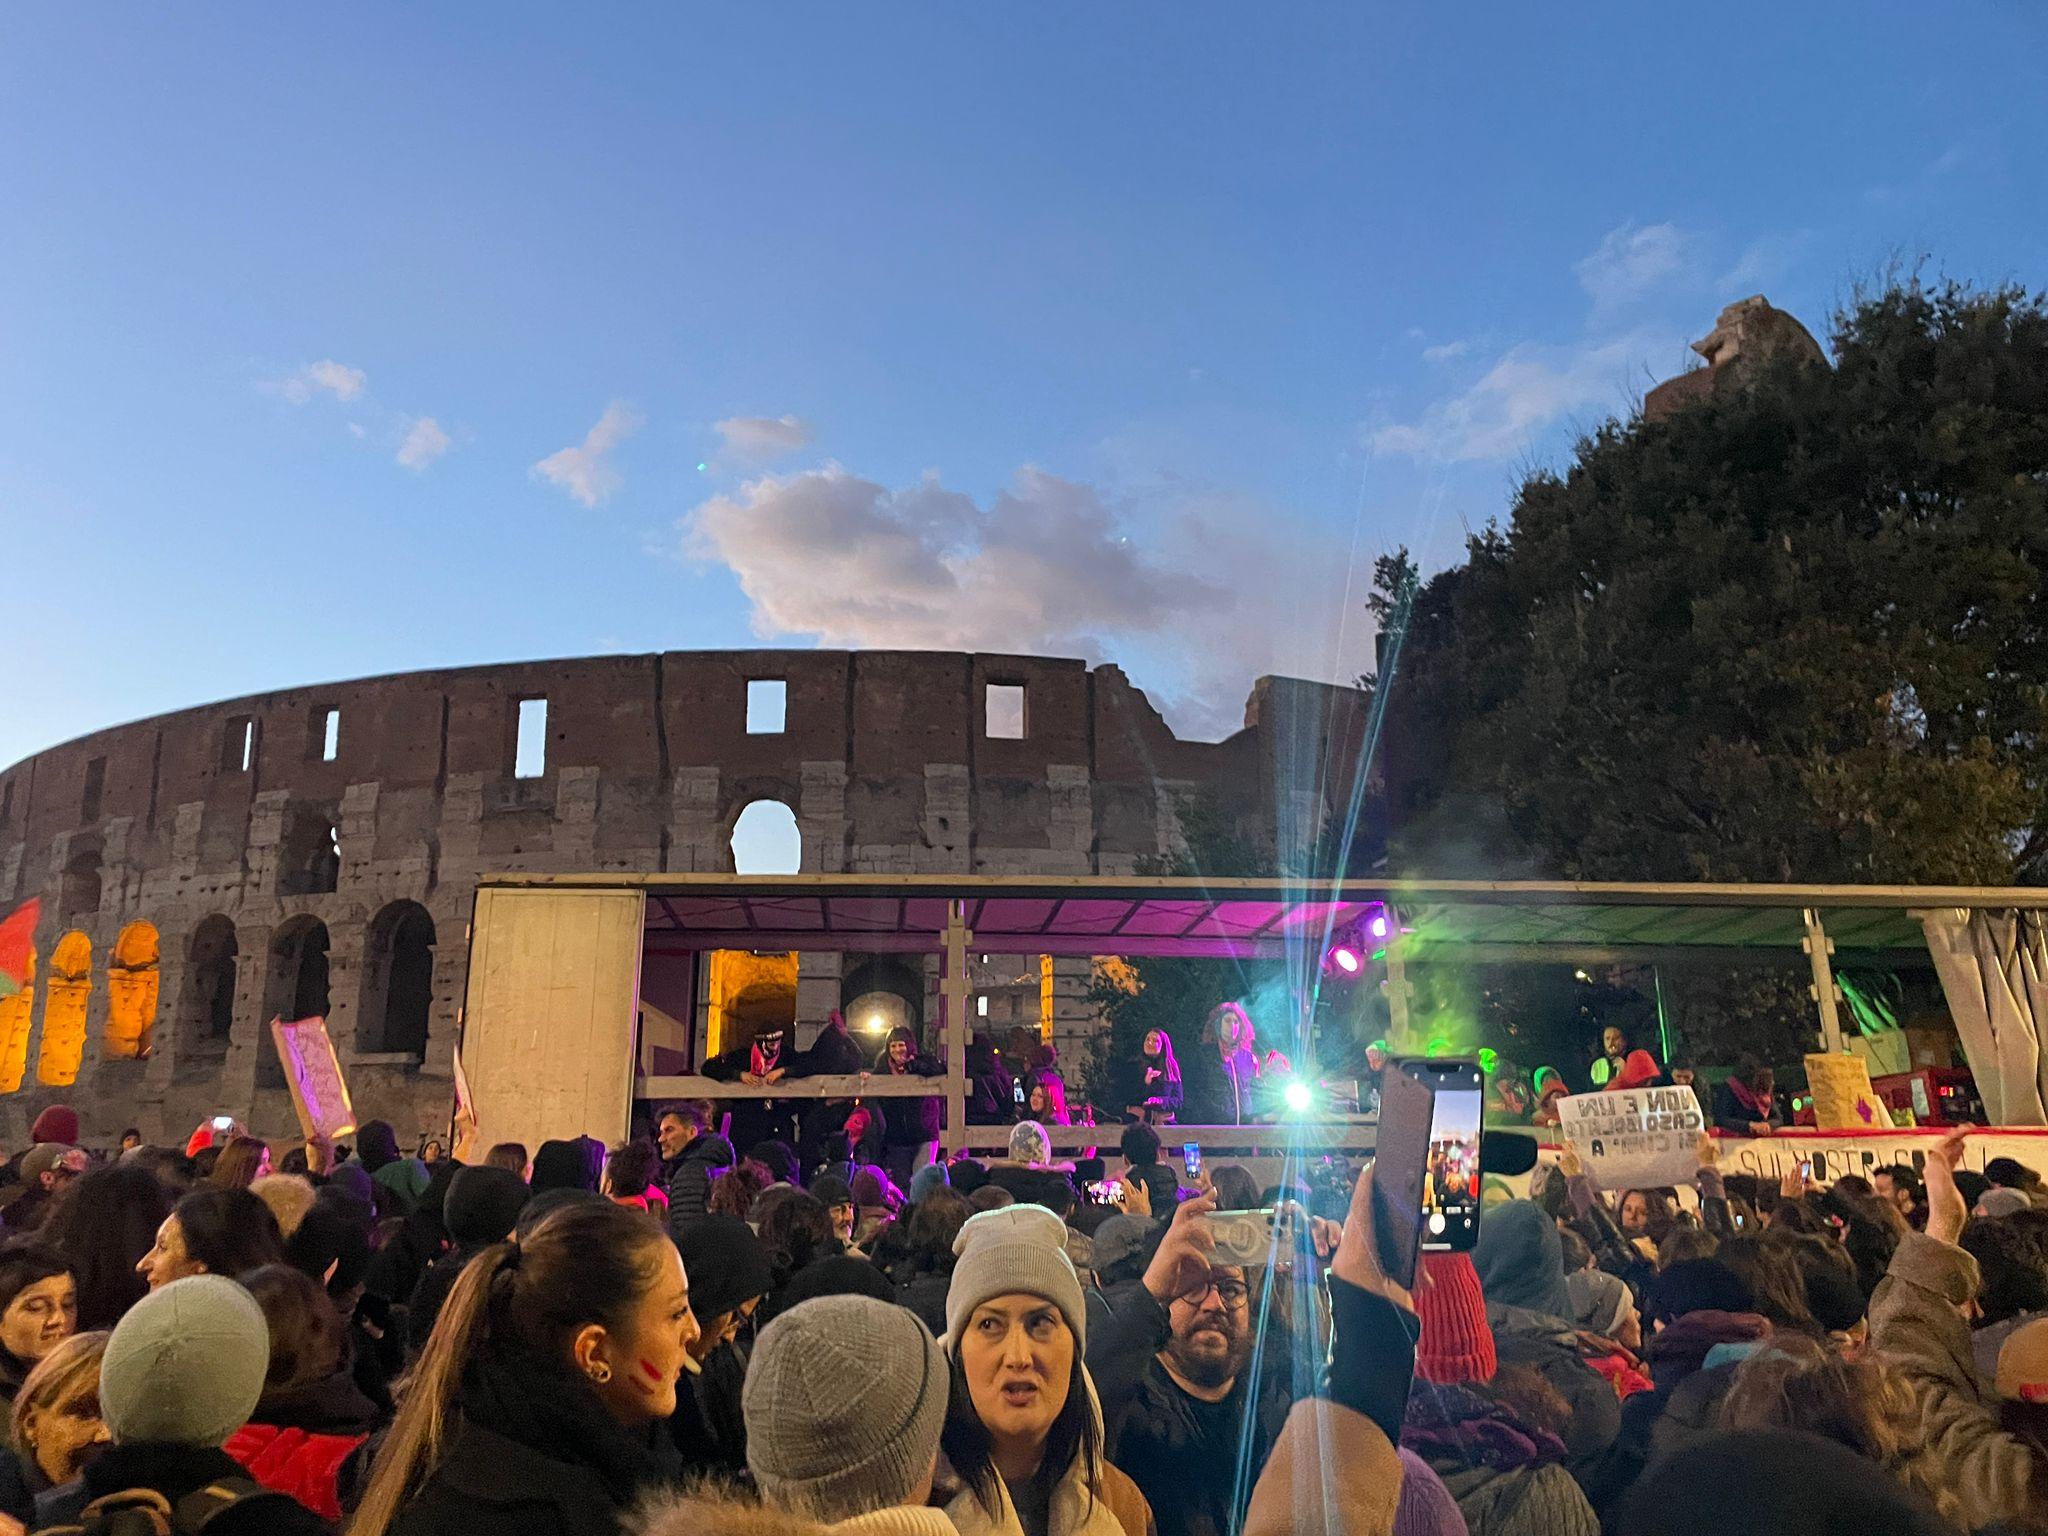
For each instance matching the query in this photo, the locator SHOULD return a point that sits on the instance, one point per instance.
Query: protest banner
(313, 1073)
(1843, 1099)
(1634, 1138)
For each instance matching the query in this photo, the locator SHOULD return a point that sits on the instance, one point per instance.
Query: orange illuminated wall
(16, 1015)
(64, 1005)
(748, 991)
(132, 992)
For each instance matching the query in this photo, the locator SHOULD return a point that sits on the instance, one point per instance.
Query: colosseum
(316, 851)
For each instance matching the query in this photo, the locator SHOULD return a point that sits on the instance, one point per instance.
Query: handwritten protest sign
(1843, 1099)
(1634, 1138)
(313, 1073)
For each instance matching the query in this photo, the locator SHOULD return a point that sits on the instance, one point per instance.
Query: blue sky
(345, 340)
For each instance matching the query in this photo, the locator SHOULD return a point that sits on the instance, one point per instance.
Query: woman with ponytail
(540, 1403)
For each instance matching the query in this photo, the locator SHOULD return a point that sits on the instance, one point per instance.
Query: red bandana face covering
(764, 1061)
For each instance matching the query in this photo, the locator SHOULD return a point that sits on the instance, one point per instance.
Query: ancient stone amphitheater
(316, 850)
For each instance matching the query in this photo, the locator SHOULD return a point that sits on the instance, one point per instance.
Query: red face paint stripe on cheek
(647, 1369)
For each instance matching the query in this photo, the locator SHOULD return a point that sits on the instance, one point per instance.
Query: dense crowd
(687, 1335)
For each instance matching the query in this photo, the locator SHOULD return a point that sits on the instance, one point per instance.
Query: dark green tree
(1795, 631)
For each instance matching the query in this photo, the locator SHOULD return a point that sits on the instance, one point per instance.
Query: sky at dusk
(358, 339)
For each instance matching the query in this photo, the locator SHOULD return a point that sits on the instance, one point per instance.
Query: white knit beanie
(844, 1400)
(185, 1366)
(1029, 1143)
(1020, 1248)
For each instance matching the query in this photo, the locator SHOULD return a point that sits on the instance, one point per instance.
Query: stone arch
(65, 1000)
(309, 854)
(17, 1015)
(206, 1005)
(295, 987)
(132, 983)
(886, 990)
(398, 981)
(766, 839)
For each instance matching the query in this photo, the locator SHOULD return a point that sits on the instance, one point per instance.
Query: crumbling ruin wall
(359, 816)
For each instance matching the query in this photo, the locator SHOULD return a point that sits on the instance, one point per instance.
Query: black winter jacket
(177, 1470)
(688, 1182)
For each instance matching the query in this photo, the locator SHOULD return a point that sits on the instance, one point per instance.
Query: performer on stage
(759, 1064)
(1157, 1097)
(1237, 1043)
(911, 1139)
(1613, 1056)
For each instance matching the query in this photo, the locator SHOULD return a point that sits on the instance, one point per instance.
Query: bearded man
(1187, 1417)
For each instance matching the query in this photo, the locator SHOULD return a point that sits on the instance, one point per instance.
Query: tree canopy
(1795, 631)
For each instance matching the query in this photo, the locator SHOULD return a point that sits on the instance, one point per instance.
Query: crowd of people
(697, 1334)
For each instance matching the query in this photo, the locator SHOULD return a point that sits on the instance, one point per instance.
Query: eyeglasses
(1232, 1293)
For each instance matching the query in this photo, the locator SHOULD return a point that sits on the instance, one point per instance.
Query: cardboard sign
(1843, 1099)
(313, 1073)
(1634, 1138)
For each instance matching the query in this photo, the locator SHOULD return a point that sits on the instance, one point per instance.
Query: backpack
(145, 1512)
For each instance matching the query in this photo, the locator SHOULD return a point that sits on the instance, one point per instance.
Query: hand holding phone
(1191, 1159)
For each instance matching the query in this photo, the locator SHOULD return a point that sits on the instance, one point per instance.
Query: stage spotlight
(1379, 925)
(1346, 959)
(1299, 1098)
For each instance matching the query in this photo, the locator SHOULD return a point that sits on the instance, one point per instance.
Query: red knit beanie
(1456, 1344)
(57, 1123)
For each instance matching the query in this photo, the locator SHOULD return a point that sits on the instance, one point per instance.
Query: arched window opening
(132, 992)
(17, 1015)
(879, 994)
(296, 988)
(398, 981)
(64, 1007)
(206, 1011)
(78, 891)
(765, 840)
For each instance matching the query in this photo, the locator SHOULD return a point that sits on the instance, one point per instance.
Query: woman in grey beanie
(1023, 1431)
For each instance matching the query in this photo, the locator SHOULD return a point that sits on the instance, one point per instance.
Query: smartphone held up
(1426, 1173)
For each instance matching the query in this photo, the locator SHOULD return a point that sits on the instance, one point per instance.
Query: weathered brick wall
(884, 760)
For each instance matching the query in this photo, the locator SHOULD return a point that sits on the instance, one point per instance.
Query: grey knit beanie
(1020, 1248)
(185, 1365)
(844, 1400)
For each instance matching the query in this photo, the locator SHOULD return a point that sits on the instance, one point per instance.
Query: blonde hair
(288, 1196)
(55, 1377)
(1795, 1383)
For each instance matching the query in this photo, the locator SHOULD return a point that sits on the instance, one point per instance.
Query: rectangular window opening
(6, 802)
(1005, 720)
(981, 1005)
(530, 753)
(767, 706)
(330, 736)
(238, 744)
(95, 789)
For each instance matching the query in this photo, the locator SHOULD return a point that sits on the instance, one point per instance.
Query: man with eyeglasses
(1178, 1401)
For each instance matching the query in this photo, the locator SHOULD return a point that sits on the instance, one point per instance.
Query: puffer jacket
(689, 1186)
(1916, 1327)
(298, 1442)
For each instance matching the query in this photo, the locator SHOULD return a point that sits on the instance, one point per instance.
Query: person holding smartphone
(1178, 1394)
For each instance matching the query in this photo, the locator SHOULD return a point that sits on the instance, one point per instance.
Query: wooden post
(1397, 992)
(953, 989)
(1818, 947)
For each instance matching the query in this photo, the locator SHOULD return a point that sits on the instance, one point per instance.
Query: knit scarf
(1746, 1097)
(1452, 1424)
(551, 1409)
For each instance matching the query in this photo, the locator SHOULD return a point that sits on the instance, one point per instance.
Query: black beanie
(726, 1263)
(1835, 1299)
(1766, 1482)
(483, 1203)
(562, 1165)
(1697, 1285)
(331, 1233)
(840, 1275)
(545, 1203)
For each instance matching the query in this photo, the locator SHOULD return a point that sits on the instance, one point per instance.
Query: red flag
(17, 940)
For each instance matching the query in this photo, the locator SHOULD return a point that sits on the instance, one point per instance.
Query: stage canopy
(1581, 923)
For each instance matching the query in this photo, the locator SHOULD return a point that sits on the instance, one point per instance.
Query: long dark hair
(238, 1162)
(1074, 1432)
(796, 1233)
(103, 1224)
(229, 1230)
(589, 1262)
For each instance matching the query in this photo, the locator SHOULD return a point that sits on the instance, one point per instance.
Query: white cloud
(1764, 261)
(758, 439)
(585, 471)
(424, 443)
(1631, 262)
(357, 430)
(1048, 566)
(1527, 391)
(324, 377)
(1448, 352)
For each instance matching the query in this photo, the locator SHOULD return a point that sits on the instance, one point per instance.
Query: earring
(600, 1373)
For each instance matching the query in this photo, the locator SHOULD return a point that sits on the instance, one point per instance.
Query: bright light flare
(1298, 1097)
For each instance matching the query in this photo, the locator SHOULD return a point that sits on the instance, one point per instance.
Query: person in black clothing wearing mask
(910, 1138)
(760, 1064)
